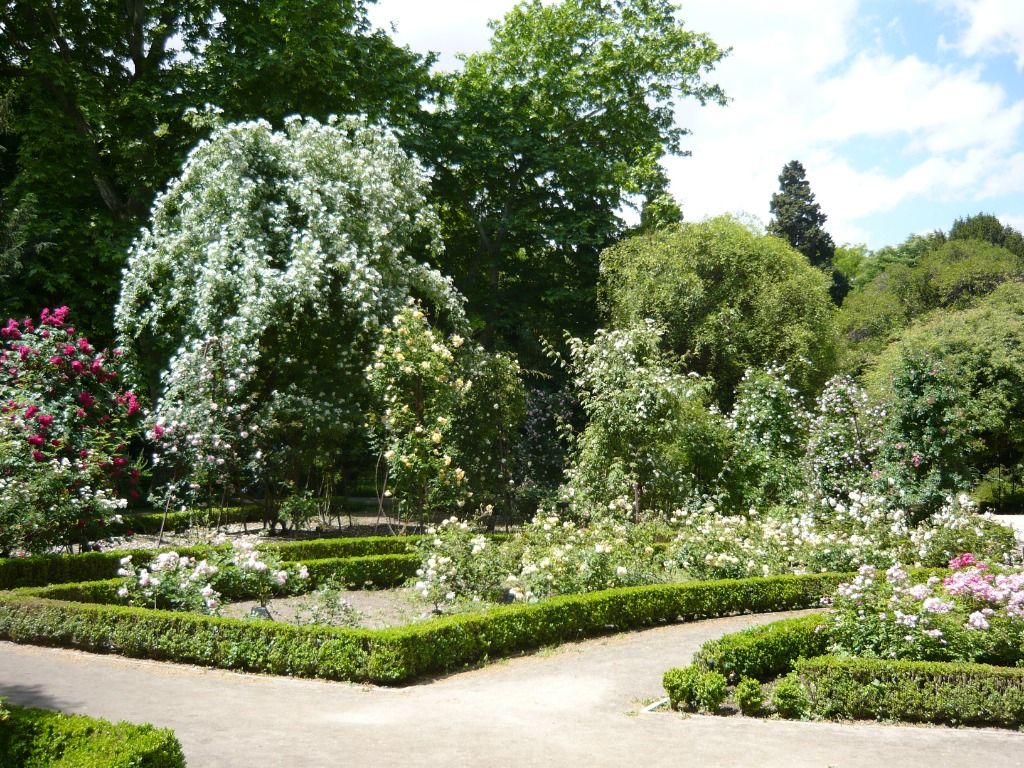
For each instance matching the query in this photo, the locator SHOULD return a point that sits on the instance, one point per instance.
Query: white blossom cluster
(264, 279)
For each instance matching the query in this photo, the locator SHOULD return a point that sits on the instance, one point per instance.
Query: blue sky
(906, 114)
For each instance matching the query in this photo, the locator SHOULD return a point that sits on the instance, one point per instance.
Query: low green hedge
(764, 652)
(150, 522)
(90, 566)
(391, 655)
(913, 691)
(39, 738)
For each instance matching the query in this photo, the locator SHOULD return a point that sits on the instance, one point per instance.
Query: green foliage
(985, 226)
(914, 691)
(37, 738)
(728, 299)
(532, 162)
(100, 102)
(695, 689)
(384, 656)
(762, 653)
(852, 261)
(789, 697)
(749, 696)
(650, 441)
(89, 566)
(797, 218)
(770, 426)
(948, 275)
(445, 417)
(983, 362)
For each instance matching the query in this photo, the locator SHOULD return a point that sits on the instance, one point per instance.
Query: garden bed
(785, 667)
(80, 616)
(374, 608)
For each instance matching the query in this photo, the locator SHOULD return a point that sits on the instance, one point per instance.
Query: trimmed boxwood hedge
(856, 688)
(392, 655)
(92, 566)
(764, 652)
(150, 522)
(913, 691)
(38, 738)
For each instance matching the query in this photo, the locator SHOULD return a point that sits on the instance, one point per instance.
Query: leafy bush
(65, 423)
(749, 696)
(914, 691)
(549, 556)
(36, 738)
(789, 697)
(728, 298)
(651, 441)
(695, 689)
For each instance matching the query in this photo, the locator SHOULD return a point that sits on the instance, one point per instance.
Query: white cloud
(993, 27)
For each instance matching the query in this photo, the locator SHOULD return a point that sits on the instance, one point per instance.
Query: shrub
(914, 691)
(695, 689)
(35, 738)
(65, 423)
(789, 697)
(749, 696)
(764, 652)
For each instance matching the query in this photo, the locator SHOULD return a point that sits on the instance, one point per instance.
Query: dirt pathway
(574, 706)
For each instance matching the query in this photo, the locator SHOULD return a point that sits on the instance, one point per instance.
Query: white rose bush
(253, 301)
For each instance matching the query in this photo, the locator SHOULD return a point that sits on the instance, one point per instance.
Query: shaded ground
(574, 706)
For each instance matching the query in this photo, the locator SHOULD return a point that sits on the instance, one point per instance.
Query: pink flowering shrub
(973, 614)
(66, 422)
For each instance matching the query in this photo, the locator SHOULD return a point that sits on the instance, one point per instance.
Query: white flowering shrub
(549, 556)
(844, 440)
(172, 582)
(770, 426)
(833, 535)
(176, 582)
(652, 439)
(446, 413)
(255, 298)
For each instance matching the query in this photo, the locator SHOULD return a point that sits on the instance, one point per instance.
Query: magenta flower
(38, 456)
(45, 420)
(76, 366)
(37, 440)
(86, 400)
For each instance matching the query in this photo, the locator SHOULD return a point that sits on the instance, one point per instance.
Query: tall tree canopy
(99, 94)
(728, 298)
(538, 142)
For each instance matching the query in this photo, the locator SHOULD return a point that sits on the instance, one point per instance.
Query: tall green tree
(99, 95)
(538, 142)
(797, 217)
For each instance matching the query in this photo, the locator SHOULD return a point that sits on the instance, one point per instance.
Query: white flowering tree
(255, 298)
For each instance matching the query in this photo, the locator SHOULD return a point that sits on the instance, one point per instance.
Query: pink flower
(68, 350)
(45, 420)
(76, 366)
(80, 413)
(56, 360)
(31, 411)
(82, 454)
(83, 346)
(37, 440)
(97, 365)
(86, 400)
(158, 431)
(38, 456)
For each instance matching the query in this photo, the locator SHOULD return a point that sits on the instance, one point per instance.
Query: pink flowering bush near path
(974, 614)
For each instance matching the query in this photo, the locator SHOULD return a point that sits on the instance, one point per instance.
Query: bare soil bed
(378, 608)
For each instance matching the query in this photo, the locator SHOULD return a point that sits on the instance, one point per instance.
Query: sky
(907, 114)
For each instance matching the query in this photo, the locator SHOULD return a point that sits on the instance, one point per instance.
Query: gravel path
(574, 706)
